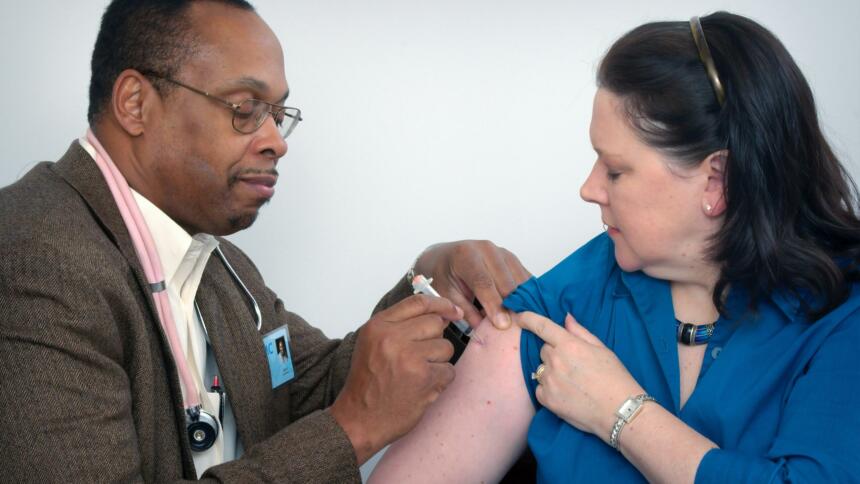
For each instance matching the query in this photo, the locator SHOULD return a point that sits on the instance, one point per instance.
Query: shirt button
(716, 352)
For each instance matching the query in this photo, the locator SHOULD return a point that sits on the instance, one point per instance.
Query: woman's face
(653, 210)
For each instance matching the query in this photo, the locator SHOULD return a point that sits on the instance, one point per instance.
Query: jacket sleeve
(399, 292)
(312, 447)
(65, 402)
(321, 364)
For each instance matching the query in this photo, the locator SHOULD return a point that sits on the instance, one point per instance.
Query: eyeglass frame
(273, 108)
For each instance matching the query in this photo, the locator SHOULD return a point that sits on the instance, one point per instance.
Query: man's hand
(399, 366)
(474, 269)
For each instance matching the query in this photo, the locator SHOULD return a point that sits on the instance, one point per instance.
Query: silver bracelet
(626, 413)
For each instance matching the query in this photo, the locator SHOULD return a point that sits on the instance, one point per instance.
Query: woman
(709, 334)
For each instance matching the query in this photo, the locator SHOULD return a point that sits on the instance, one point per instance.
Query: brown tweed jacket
(88, 389)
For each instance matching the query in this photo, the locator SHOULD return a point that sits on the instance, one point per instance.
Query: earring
(708, 208)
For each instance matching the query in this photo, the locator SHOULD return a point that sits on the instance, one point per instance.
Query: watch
(626, 413)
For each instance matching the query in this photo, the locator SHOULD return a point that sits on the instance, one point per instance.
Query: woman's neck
(692, 298)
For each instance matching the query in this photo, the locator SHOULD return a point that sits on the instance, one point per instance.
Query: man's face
(210, 178)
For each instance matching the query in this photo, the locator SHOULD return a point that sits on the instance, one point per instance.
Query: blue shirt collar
(643, 288)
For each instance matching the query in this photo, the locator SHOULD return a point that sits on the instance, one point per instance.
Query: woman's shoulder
(580, 276)
(800, 306)
(592, 262)
(846, 316)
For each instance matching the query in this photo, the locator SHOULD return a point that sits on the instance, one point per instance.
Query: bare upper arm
(477, 428)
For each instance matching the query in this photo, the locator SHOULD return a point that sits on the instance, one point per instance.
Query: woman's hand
(583, 382)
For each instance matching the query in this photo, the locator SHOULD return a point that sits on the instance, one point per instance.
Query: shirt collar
(172, 242)
(643, 289)
(793, 305)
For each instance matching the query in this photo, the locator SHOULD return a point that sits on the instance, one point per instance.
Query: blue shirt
(778, 394)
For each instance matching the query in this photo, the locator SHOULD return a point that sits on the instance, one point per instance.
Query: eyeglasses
(249, 114)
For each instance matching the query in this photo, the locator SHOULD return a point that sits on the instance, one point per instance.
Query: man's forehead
(237, 50)
(224, 25)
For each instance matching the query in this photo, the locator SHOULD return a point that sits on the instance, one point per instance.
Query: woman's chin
(626, 262)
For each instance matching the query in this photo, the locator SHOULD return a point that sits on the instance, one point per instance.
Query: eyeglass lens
(251, 114)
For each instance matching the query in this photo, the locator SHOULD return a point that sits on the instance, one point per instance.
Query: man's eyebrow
(247, 82)
(255, 85)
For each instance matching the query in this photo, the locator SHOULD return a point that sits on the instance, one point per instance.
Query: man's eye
(246, 109)
(613, 175)
(279, 118)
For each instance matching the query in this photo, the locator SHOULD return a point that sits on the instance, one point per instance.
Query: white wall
(424, 121)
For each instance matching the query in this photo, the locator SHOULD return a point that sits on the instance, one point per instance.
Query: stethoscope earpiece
(202, 429)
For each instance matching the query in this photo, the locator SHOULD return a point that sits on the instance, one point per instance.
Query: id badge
(277, 344)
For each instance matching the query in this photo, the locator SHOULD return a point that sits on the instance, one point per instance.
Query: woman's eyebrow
(605, 155)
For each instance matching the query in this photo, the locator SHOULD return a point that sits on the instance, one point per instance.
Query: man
(99, 358)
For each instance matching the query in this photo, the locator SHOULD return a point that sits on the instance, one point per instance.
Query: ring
(537, 374)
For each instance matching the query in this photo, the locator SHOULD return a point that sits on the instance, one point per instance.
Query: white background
(424, 121)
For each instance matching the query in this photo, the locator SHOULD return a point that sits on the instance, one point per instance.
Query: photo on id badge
(277, 344)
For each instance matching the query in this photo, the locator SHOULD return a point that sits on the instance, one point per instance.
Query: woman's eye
(613, 175)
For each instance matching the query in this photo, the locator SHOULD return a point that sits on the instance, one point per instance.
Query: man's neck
(120, 147)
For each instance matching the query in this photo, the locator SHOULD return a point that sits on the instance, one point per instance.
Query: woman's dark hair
(150, 35)
(791, 220)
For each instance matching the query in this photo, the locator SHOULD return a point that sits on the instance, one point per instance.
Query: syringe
(421, 285)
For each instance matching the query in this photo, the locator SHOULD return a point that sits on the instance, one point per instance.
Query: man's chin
(242, 222)
(239, 220)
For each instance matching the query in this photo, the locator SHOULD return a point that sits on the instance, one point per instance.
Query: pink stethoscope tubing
(149, 259)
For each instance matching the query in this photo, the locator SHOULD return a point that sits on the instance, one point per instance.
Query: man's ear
(714, 197)
(132, 93)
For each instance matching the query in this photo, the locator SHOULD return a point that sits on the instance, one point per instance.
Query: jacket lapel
(80, 171)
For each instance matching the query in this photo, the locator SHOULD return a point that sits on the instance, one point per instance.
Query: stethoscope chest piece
(202, 429)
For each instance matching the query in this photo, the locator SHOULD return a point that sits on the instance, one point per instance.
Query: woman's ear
(714, 199)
